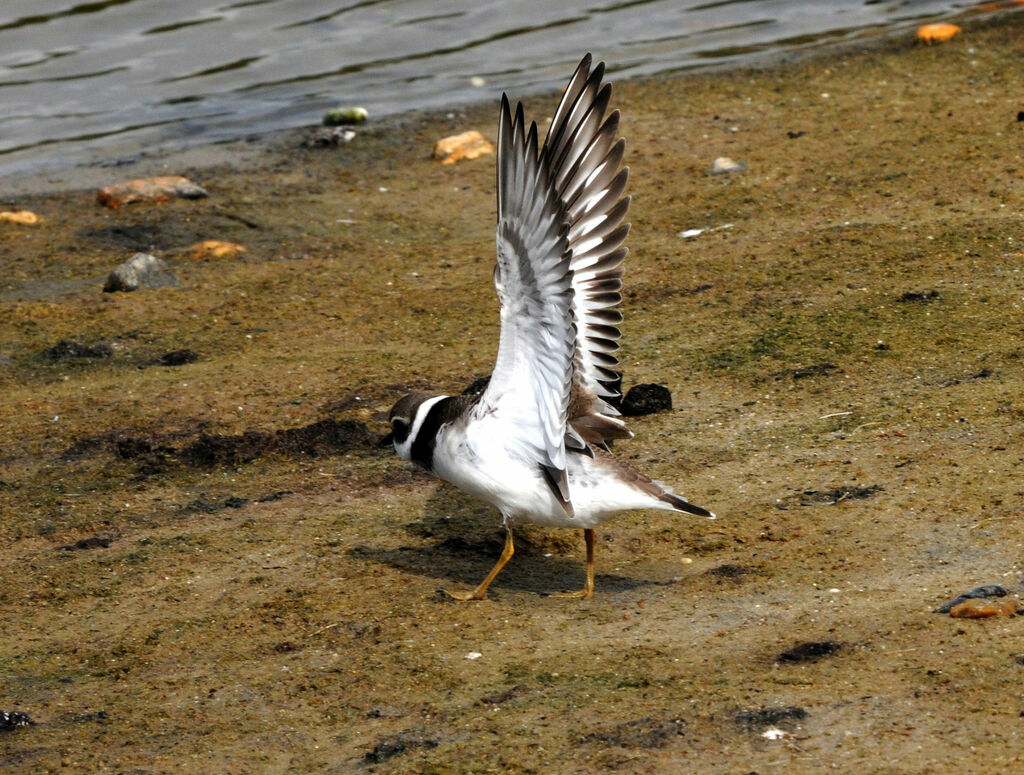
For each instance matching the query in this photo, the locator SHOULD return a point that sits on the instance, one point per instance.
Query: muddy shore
(207, 564)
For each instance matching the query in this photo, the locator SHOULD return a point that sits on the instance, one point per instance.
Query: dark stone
(67, 349)
(912, 296)
(811, 651)
(92, 542)
(646, 399)
(13, 720)
(990, 590)
(178, 358)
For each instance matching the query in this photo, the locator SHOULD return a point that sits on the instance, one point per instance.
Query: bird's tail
(679, 504)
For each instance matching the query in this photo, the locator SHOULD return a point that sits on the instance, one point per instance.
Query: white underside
(477, 462)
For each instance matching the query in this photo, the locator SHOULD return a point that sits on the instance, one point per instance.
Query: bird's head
(406, 418)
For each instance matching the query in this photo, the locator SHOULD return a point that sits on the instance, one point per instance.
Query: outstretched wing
(530, 387)
(585, 158)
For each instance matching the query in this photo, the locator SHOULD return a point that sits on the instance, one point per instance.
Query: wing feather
(529, 390)
(586, 166)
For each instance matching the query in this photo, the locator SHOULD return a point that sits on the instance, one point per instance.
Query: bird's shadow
(467, 538)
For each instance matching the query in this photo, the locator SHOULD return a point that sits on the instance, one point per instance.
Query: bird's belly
(513, 486)
(518, 489)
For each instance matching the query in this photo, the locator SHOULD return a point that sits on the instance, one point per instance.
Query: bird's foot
(578, 594)
(465, 597)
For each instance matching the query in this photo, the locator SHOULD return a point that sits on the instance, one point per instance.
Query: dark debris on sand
(389, 747)
(769, 717)
(811, 651)
(640, 733)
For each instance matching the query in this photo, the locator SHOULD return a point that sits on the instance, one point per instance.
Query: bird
(537, 442)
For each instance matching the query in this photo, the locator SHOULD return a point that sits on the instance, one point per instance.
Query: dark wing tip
(678, 503)
(558, 482)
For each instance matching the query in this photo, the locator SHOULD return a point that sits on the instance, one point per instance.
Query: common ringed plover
(535, 443)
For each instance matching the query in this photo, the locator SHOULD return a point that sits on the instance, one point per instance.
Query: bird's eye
(400, 429)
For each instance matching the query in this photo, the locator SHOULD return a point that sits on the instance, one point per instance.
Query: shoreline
(238, 152)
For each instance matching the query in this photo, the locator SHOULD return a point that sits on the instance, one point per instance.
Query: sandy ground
(210, 567)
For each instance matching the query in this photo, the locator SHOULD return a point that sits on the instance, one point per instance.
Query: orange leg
(588, 588)
(481, 591)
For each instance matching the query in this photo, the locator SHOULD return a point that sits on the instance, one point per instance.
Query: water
(84, 81)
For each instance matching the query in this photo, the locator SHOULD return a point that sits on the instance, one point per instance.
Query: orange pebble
(937, 33)
(154, 189)
(20, 217)
(983, 609)
(213, 248)
(468, 145)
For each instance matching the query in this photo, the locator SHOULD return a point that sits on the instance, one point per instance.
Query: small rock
(20, 217)
(13, 720)
(912, 296)
(468, 145)
(983, 609)
(340, 116)
(329, 138)
(213, 248)
(178, 358)
(937, 33)
(988, 590)
(153, 189)
(723, 165)
(140, 271)
(646, 399)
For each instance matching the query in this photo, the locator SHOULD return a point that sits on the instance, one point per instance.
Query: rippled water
(84, 80)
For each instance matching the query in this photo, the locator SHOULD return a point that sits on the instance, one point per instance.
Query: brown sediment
(214, 564)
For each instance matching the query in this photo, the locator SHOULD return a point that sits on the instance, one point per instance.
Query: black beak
(386, 441)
